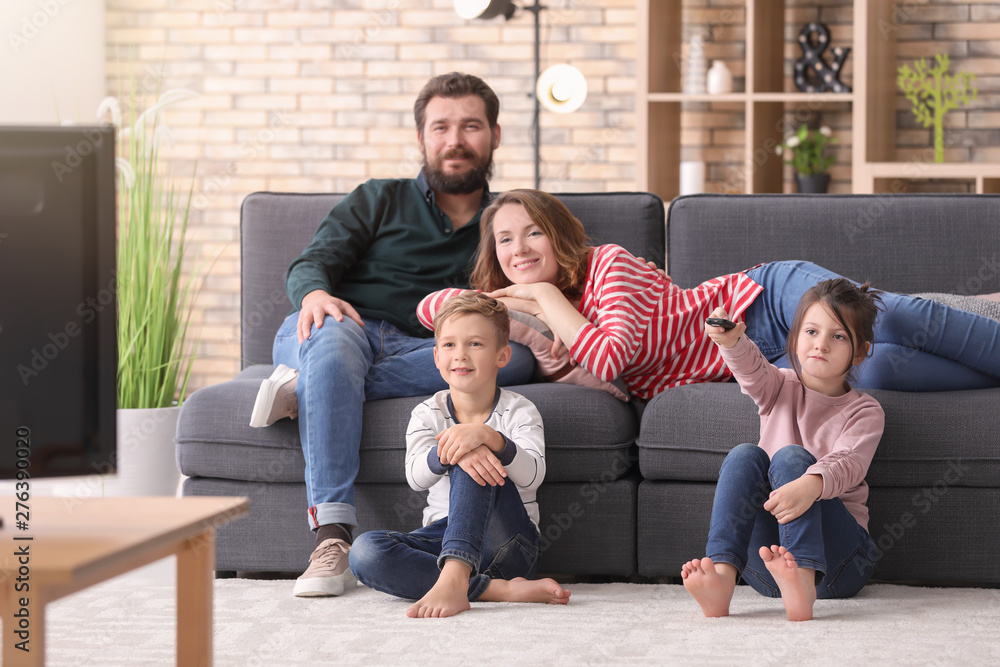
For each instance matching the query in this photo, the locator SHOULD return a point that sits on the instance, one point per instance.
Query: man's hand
(483, 466)
(724, 339)
(790, 501)
(316, 306)
(460, 439)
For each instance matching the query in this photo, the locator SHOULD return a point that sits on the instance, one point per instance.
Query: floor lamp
(561, 88)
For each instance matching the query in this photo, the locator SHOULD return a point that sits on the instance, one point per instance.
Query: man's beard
(459, 184)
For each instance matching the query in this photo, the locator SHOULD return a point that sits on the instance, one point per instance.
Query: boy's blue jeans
(341, 366)
(825, 537)
(487, 528)
(920, 345)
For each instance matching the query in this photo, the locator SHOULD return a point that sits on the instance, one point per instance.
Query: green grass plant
(155, 299)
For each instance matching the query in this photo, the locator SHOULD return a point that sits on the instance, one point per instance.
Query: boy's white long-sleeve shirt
(514, 417)
(842, 432)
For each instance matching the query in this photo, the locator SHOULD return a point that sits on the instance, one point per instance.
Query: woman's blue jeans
(341, 366)
(825, 537)
(487, 528)
(920, 345)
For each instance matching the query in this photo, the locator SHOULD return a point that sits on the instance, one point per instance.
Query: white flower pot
(147, 458)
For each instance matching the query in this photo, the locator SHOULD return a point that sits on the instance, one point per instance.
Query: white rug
(130, 621)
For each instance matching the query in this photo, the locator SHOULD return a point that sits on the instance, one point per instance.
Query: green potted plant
(155, 299)
(806, 151)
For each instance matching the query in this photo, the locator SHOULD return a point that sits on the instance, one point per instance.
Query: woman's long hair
(565, 234)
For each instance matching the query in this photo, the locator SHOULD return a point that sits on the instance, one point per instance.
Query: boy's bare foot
(797, 584)
(449, 595)
(710, 585)
(520, 589)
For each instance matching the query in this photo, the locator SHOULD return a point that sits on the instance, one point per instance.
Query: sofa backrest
(276, 227)
(902, 243)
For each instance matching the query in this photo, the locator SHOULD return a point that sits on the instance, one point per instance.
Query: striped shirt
(513, 416)
(642, 327)
(648, 331)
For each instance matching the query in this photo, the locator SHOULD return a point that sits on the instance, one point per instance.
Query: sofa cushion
(903, 243)
(588, 434)
(931, 439)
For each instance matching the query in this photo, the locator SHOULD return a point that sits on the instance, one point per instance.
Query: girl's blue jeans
(920, 345)
(487, 528)
(825, 538)
(341, 366)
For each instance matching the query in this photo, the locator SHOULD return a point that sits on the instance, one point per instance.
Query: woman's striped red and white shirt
(642, 327)
(648, 331)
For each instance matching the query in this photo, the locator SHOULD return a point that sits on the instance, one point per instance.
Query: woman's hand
(547, 303)
(790, 501)
(522, 306)
(526, 292)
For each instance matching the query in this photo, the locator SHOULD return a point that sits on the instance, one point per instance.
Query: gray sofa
(629, 488)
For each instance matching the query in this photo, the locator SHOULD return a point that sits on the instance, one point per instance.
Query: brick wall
(294, 96)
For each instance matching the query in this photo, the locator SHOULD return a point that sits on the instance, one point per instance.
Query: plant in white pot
(155, 300)
(806, 151)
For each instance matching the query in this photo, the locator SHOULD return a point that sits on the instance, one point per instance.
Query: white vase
(720, 79)
(694, 74)
(146, 458)
(692, 177)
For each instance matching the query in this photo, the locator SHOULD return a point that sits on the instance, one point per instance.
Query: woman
(620, 318)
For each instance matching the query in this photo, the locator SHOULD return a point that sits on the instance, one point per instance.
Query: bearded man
(354, 336)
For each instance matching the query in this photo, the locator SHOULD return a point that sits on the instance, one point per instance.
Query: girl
(802, 490)
(620, 318)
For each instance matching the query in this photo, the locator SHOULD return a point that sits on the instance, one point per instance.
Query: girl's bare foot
(797, 584)
(520, 589)
(449, 595)
(710, 585)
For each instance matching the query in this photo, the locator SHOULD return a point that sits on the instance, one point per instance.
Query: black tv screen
(58, 301)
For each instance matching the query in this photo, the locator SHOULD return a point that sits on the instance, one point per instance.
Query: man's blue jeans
(341, 366)
(825, 537)
(920, 345)
(487, 528)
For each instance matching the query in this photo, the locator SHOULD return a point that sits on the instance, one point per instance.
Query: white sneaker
(276, 398)
(328, 572)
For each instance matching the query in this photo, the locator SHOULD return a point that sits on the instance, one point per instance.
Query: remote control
(719, 322)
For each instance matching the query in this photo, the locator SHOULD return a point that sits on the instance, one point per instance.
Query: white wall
(51, 60)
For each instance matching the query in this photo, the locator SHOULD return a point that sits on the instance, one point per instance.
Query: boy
(480, 536)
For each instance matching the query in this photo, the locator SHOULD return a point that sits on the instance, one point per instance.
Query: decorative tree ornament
(812, 73)
(934, 93)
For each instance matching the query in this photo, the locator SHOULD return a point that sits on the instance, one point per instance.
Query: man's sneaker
(276, 398)
(328, 572)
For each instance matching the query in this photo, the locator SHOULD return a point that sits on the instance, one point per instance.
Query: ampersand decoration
(812, 73)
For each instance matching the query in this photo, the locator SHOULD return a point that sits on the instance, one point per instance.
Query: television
(58, 301)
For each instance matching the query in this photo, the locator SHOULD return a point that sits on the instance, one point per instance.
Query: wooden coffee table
(75, 543)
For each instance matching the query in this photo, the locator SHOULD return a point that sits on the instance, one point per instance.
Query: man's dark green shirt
(384, 247)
